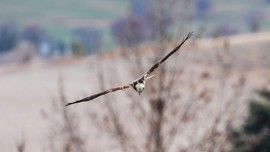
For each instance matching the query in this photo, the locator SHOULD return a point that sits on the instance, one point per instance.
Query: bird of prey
(139, 84)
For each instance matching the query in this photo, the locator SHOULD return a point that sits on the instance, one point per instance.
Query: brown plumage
(158, 63)
(139, 84)
(100, 94)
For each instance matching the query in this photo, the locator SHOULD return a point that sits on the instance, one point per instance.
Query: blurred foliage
(77, 48)
(144, 23)
(90, 39)
(129, 31)
(8, 36)
(140, 7)
(63, 125)
(35, 34)
(203, 8)
(223, 30)
(60, 46)
(254, 19)
(254, 135)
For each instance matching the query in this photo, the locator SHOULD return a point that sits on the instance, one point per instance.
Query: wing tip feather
(71, 103)
(68, 104)
(189, 35)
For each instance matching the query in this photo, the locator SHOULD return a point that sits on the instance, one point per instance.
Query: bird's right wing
(100, 94)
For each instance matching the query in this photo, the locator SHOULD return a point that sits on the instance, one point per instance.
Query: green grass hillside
(60, 16)
(49, 10)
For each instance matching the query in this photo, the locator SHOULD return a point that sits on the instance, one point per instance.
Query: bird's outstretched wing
(149, 73)
(100, 94)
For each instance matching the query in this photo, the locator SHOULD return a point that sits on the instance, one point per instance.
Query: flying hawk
(139, 84)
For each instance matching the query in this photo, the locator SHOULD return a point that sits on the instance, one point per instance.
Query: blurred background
(212, 95)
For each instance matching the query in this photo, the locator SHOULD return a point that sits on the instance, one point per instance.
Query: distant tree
(144, 23)
(8, 36)
(255, 135)
(129, 31)
(223, 30)
(90, 38)
(77, 48)
(203, 8)
(254, 19)
(35, 34)
(140, 7)
(60, 46)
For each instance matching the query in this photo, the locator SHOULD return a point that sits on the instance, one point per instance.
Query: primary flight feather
(139, 84)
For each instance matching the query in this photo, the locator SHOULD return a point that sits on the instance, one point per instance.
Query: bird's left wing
(149, 73)
(100, 94)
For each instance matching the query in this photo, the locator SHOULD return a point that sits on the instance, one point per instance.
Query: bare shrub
(63, 132)
(21, 144)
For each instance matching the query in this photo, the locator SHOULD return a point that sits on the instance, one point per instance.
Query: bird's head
(140, 87)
